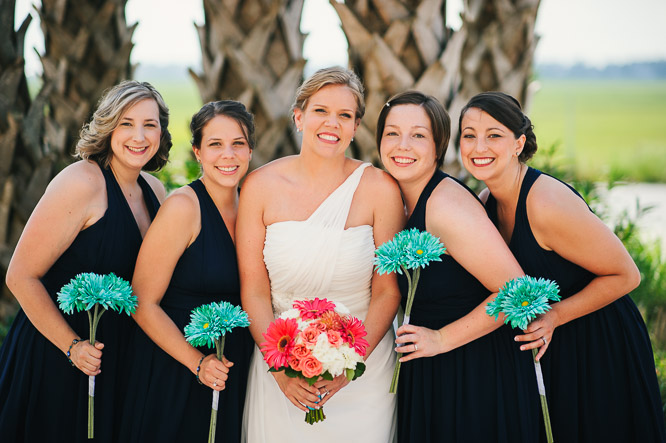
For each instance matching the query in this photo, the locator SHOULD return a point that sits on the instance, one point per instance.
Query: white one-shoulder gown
(318, 257)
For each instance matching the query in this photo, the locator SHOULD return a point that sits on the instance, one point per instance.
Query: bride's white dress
(318, 257)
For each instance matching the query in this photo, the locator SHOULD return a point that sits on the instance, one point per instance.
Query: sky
(592, 32)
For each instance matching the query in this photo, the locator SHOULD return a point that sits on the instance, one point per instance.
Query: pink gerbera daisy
(313, 309)
(279, 342)
(353, 332)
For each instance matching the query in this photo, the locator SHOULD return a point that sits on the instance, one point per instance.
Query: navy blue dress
(599, 372)
(42, 397)
(165, 402)
(484, 391)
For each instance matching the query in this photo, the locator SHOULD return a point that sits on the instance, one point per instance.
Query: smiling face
(328, 121)
(407, 145)
(137, 137)
(487, 147)
(224, 152)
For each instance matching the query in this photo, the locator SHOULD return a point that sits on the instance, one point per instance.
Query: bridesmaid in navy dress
(188, 259)
(91, 218)
(599, 370)
(463, 379)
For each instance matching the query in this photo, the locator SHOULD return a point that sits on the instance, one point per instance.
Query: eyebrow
(415, 126)
(240, 137)
(324, 106)
(146, 120)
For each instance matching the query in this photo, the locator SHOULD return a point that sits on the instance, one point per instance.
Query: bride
(307, 227)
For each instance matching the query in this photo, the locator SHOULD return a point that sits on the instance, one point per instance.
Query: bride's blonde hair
(330, 76)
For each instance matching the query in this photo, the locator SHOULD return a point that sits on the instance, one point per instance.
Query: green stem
(544, 403)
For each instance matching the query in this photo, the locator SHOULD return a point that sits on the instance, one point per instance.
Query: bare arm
(471, 239)
(389, 218)
(175, 227)
(74, 200)
(562, 222)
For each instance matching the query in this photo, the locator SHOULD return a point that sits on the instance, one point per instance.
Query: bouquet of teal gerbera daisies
(95, 294)
(521, 300)
(208, 327)
(409, 250)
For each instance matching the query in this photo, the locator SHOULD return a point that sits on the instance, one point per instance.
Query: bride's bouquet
(316, 338)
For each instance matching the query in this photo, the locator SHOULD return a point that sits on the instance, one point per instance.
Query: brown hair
(95, 137)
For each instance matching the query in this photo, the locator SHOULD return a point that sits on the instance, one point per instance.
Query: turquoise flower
(204, 327)
(522, 299)
(389, 257)
(409, 249)
(422, 248)
(232, 316)
(86, 290)
(210, 322)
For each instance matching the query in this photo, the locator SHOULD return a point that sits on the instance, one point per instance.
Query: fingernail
(515, 338)
(522, 348)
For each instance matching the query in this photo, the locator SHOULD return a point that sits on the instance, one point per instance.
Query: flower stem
(219, 349)
(542, 395)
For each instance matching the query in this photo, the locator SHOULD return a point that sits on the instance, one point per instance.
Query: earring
(352, 139)
(298, 129)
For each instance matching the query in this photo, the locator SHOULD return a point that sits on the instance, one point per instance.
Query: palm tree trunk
(497, 54)
(397, 45)
(14, 161)
(252, 52)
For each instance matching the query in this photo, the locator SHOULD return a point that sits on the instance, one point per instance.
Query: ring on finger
(416, 348)
(545, 342)
(215, 383)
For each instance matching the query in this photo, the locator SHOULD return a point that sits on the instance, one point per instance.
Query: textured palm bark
(252, 51)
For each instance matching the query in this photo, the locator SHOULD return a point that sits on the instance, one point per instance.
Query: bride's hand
(297, 391)
(328, 388)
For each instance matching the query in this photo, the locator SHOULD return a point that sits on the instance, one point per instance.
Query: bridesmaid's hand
(416, 342)
(297, 391)
(214, 373)
(327, 388)
(86, 357)
(539, 333)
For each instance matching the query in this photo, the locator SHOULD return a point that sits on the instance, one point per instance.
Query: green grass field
(605, 126)
(602, 126)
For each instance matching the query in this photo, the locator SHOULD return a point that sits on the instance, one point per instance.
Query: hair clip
(387, 104)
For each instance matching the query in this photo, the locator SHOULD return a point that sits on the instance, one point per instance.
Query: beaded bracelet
(69, 351)
(199, 368)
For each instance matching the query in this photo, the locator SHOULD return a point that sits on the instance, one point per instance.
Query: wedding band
(327, 391)
(416, 348)
(545, 342)
(215, 383)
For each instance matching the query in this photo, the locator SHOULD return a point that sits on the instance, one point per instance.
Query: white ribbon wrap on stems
(539, 376)
(216, 399)
(91, 385)
(406, 320)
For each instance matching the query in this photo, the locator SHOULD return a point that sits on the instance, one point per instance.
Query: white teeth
(136, 149)
(482, 161)
(227, 168)
(403, 160)
(329, 137)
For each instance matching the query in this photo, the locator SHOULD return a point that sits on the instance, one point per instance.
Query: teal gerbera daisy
(422, 248)
(86, 290)
(522, 299)
(205, 326)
